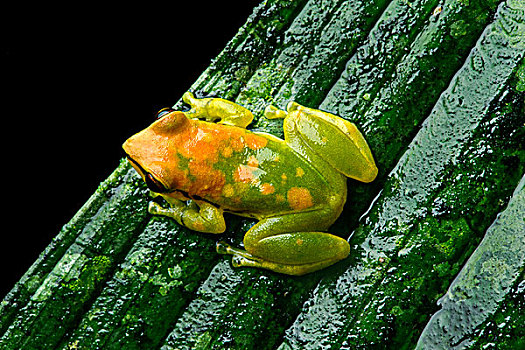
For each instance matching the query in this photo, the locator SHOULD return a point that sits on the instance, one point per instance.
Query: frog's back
(248, 173)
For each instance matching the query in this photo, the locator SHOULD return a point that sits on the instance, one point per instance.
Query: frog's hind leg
(335, 139)
(217, 110)
(278, 244)
(241, 258)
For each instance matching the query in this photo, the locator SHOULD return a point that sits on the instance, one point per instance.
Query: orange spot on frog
(283, 179)
(267, 188)
(299, 198)
(253, 162)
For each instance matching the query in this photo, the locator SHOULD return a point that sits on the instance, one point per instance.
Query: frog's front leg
(217, 110)
(201, 216)
(285, 244)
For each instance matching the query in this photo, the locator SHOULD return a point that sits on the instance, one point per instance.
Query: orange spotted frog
(204, 162)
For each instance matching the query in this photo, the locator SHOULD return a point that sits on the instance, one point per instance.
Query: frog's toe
(154, 208)
(242, 261)
(272, 112)
(238, 261)
(292, 106)
(238, 257)
(189, 98)
(223, 248)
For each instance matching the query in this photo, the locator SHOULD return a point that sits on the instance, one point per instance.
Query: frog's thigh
(300, 248)
(338, 141)
(285, 240)
(218, 109)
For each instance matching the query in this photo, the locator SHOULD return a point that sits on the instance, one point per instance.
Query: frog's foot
(197, 105)
(217, 110)
(225, 248)
(201, 216)
(272, 112)
(293, 106)
(241, 257)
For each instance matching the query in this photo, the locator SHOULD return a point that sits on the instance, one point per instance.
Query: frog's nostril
(163, 112)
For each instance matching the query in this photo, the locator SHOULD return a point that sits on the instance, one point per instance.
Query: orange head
(151, 153)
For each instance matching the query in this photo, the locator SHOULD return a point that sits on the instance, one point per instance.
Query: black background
(76, 82)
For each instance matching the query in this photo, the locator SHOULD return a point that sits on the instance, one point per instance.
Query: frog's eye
(163, 112)
(155, 185)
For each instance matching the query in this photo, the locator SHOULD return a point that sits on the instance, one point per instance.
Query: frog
(204, 162)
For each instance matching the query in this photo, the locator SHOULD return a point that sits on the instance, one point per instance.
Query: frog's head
(151, 151)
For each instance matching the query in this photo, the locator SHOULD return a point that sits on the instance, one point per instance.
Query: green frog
(204, 162)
